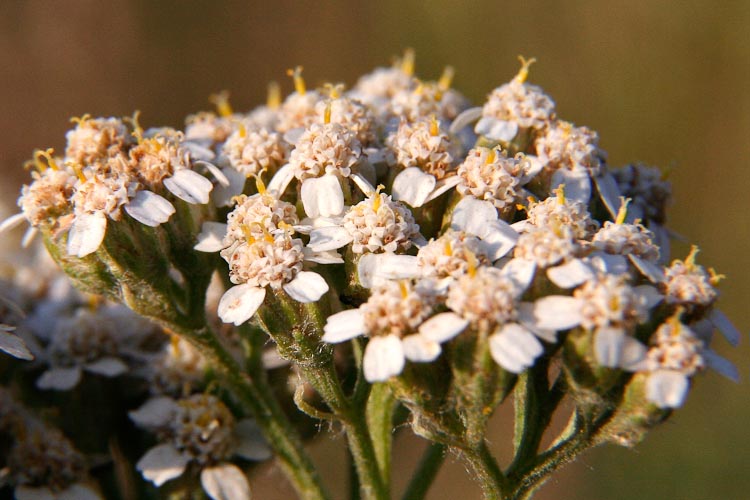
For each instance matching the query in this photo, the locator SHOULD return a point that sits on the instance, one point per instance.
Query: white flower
(12, 344)
(199, 429)
(479, 218)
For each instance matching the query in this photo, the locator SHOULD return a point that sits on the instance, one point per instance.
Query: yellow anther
(77, 169)
(286, 227)
(472, 263)
(674, 321)
(259, 184)
(402, 285)
(523, 73)
(273, 100)
(80, 120)
(520, 207)
(174, 343)
(690, 259)
(327, 113)
(137, 130)
(47, 155)
(299, 82)
(334, 91)
(491, 156)
(248, 234)
(560, 193)
(614, 303)
(242, 130)
(434, 126)
(419, 89)
(715, 277)
(622, 213)
(238, 199)
(221, 101)
(376, 199)
(448, 248)
(407, 63)
(446, 78)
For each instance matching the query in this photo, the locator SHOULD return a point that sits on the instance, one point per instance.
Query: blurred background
(667, 83)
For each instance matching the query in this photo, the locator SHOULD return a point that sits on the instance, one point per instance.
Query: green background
(667, 83)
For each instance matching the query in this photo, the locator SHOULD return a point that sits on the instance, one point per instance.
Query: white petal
(608, 346)
(22, 492)
(514, 348)
(59, 379)
(662, 239)
(154, 413)
(374, 269)
(363, 184)
(162, 463)
(647, 296)
(472, 216)
(667, 389)
(419, 349)
(239, 303)
(725, 326)
(496, 130)
(608, 263)
(28, 237)
(222, 195)
(322, 196)
(218, 174)
(633, 354)
(465, 118)
(13, 345)
(149, 208)
(109, 367)
(329, 257)
(12, 222)
(570, 274)
(498, 239)
(306, 287)
(281, 179)
(328, 238)
(251, 445)
(533, 166)
(721, 365)
(520, 271)
(652, 271)
(293, 135)
(609, 192)
(443, 186)
(225, 482)
(577, 183)
(211, 237)
(198, 153)
(189, 186)
(344, 325)
(557, 312)
(384, 358)
(86, 234)
(443, 327)
(413, 186)
(78, 492)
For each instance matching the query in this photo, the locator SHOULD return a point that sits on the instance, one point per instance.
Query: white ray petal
(107, 366)
(222, 195)
(514, 348)
(725, 326)
(189, 186)
(211, 237)
(281, 179)
(86, 233)
(496, 130)
(577, 183)
(464, 119)
(608, 346)
(721, 365)
(306, 287)
(653, 272)
(608, 263)
(570, 274)
(13, 345)
(363, 184)
(251, 445)
(413, 186)
(557, 312)
(443, 186)
(225, 482)
(667, 389)
(374, 269)
(647, 296)
(12, 222)
(472, 216)
(383, 358)
(328, 238)
(633, 355)
(59, 379)
(239, 303)
(343, 326)
(520, 271)
(419, 349)
(498, 239)
(322, 196)
(443, 327)
(154, 413)
(609, 192)
(162, 463)
(78, 492)
(149, 208)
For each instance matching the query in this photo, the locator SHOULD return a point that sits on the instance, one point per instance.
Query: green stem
(488, 473)
(380, 407)
(426, 472)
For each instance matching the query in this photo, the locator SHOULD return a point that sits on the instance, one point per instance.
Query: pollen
(446, 78)
(273, 100)
(407, 63)
(221, 101)
(299, 82)
(523, 73)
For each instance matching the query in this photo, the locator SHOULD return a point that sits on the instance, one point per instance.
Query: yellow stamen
(47, 155)
(376, 199)
(238, 199)
(174, 342)
(622, 213)
(248, 234)
(334, 91)
(259, 184)
(404, 289)
(273, 100)
(419, 90)
(674, 321)
(221, 101)
(80, 120)
(327, 113)
(520, 207)
(407, 63)
(77, 169)
(523, 73)
(491, 156)
(286, 227)
(560, 193)
(446, 78)
(472, 263)
(715, 278)
(690, 259)
(137, 130)
(448, 248)
(299, 82)
(434, 126)
(242, 130)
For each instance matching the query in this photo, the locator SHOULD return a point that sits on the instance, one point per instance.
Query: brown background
(663, 82)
